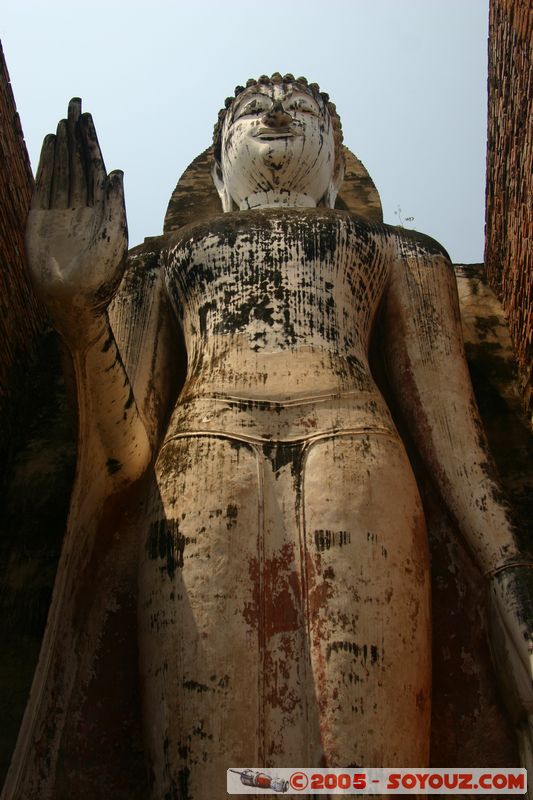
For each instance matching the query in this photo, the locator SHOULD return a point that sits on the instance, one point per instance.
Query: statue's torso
(276, 308)
(286, 515)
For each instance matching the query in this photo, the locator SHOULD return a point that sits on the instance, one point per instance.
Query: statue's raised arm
(77, 242)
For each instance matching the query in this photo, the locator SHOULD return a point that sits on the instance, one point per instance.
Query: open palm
(76, 235)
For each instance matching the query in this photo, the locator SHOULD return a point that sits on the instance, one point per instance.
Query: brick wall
(21, 319)
(37, 448)
(509, 215)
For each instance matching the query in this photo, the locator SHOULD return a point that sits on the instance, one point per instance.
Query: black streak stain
(166, 542)
(326, 539)
(241, 277)
(354, 649)
(107, 344)
(280, 455)
(183, 783)
(129, 401)
(113, 465)
(231, 513)
(203, 312)
(194, 686)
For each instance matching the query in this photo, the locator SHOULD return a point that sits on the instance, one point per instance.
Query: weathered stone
(21, 318)
(271, 510)
(36, 439)
(509, 221)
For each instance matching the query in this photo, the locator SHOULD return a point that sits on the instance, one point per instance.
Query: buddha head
(278, 142)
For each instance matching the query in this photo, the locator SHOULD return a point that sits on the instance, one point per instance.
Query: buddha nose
(277, 117)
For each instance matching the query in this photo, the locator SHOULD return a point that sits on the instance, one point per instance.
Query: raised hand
(76, 235)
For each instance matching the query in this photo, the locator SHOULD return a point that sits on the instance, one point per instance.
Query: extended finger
(78, 177)
(43, 179)
(60, 180)
(96, 174)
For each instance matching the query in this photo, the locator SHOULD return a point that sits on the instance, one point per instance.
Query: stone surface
(509, 222)
(36, 439)
(469, 723)
(195, 196)
(292, 597)
(21, 318)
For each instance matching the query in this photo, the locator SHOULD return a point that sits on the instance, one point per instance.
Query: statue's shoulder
(367, 224)
(143, 270)
(148, 252)
(223, 226)
(386, 239)
(144, 261)
(411, 243)
(229, 227)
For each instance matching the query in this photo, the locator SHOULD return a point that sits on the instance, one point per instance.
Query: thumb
(114, 201)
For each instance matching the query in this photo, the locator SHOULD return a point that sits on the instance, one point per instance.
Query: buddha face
(278, 148)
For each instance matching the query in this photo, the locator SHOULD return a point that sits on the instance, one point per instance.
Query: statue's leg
(219, 591)
(368, 604)
(277, 593)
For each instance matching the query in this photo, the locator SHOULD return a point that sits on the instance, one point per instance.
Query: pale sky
(408, 78)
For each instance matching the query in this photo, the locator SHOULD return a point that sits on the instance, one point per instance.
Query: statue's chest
(306, 271)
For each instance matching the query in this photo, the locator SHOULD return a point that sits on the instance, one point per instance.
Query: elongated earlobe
(330, 196)
(218, 180)
(328, 200)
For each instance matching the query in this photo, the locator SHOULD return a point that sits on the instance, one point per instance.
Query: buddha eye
(254, 107)
(303, 106)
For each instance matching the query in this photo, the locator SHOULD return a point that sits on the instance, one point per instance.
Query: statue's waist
(269, 420)
(232, 369)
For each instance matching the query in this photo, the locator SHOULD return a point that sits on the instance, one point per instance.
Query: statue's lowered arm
(429, 375)
(76, 240)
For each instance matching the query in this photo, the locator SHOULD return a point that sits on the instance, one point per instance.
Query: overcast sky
(408, 78)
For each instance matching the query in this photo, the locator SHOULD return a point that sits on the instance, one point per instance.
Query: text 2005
(341, 781)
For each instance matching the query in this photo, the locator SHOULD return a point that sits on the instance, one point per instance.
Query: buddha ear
(218, 180)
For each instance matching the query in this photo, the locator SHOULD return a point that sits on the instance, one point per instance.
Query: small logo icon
(261, 780)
